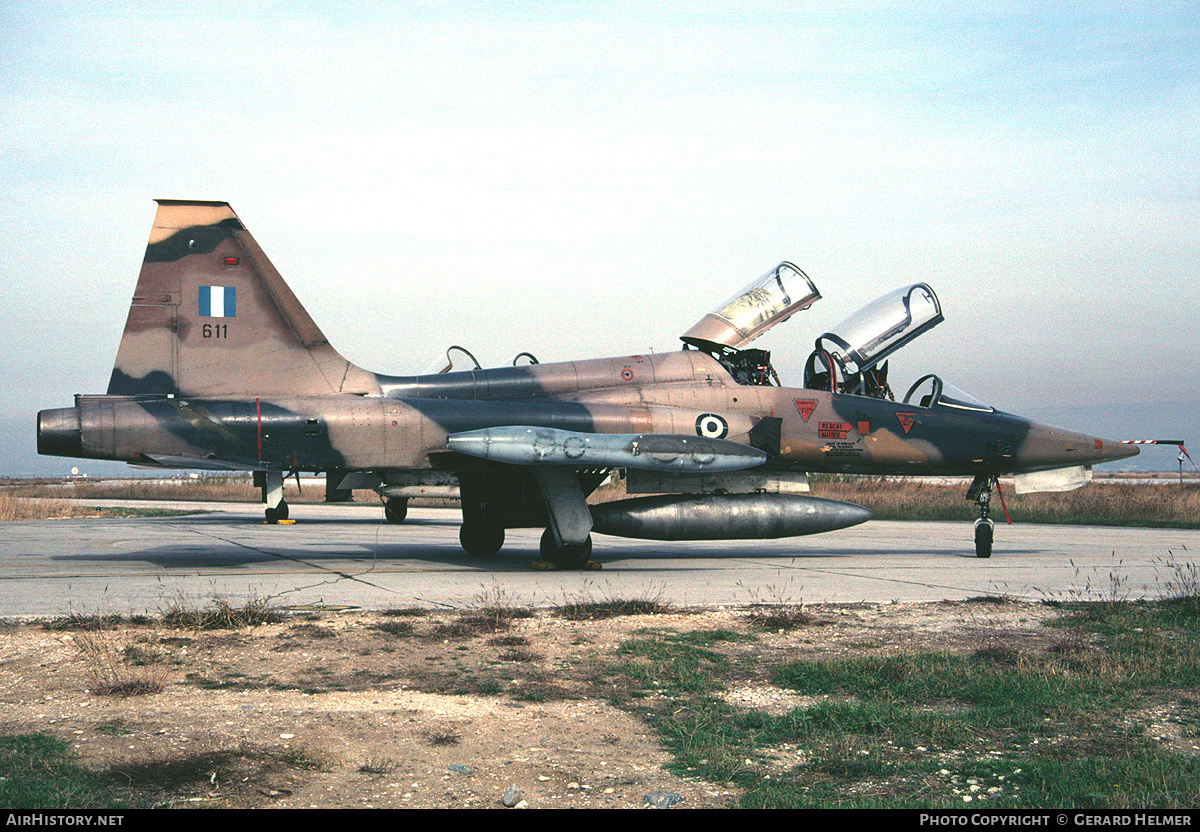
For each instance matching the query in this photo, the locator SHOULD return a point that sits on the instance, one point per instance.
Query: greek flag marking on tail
(218, 302)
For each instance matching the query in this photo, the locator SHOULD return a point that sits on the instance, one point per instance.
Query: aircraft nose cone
(1117, 450)
(1045, 445)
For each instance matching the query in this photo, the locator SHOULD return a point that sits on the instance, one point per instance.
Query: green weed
(37, 772)
(1006, 726)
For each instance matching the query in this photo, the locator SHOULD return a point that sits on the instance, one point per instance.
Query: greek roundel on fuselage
(711, 426)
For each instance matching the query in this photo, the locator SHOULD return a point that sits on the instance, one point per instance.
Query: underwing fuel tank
(724, 516)
(520, 445)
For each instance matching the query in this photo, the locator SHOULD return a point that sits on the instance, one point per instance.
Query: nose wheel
(984, 527)
(981, 492)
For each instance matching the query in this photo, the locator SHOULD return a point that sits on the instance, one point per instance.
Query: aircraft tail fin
(211, 316)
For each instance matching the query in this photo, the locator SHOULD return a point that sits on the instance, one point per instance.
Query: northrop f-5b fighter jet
(220, 367)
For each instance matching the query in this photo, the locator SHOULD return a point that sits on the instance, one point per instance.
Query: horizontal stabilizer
(199, 463)
(520, 445)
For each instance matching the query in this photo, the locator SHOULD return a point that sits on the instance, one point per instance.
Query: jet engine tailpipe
(59, 432)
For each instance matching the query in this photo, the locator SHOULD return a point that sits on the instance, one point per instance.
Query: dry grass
(216, 489)
(232, 488)
(443, 736)
(378, 765)
(782, 618)
(483, 621)
(227, 777)
(520, 654)
(889, 701)
(585, 607)
(494, 611)
(402, 629)
(108, 672)
(1181, 588)
(1098, 503)
(221, 615)
(13, 507)
(1104, 503)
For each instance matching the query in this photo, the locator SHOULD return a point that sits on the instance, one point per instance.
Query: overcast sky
(587, 179)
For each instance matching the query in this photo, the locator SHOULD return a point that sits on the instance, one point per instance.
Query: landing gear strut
(567, 542)
(482, 532)
(274, 507)
(981, 493)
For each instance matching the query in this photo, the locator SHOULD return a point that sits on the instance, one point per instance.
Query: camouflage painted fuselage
(220, 366)
(406, 424)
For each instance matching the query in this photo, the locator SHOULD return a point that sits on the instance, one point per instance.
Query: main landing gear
(481, 539)
(274, 515)
(395, 509)
(275, 509)
(981, 492)
(482, 532)
(567, 541)
(549, 495)
(546, 495)
(566, 555)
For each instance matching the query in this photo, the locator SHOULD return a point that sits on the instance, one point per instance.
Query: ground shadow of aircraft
(220, 367)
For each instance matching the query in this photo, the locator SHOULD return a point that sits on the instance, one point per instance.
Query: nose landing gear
(984, 527)
(981, 492)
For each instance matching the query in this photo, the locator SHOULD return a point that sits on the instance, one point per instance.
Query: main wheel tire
(272, 515)
(283, 510)
(395, 509)
(570, 556)
(546, 545)
(481, 541)
(984, 531)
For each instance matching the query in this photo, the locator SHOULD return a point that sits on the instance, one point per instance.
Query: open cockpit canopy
(770, 300)
(881, 327)
(850, 357)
